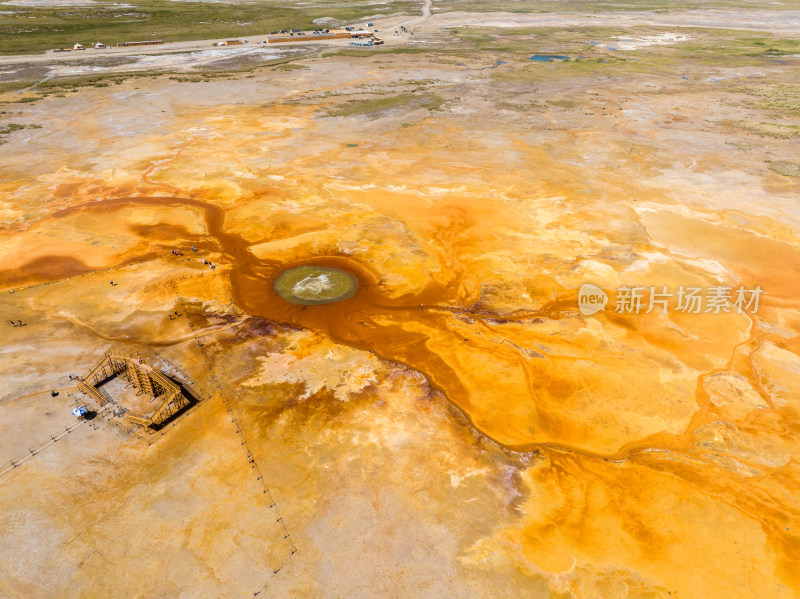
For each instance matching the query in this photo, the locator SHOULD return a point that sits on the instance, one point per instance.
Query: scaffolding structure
(167, 395)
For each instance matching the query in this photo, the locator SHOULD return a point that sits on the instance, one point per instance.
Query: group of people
(177, 252)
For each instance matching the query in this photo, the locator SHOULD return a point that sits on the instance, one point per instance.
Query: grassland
(290, 67)
(783, 167)
(737, 48)
(706, 48)
(530, 40)
(62, 86)
(588, 6)
(768, 129)
(36, 29)
(59, 86)
(6, 130)
(781, 98)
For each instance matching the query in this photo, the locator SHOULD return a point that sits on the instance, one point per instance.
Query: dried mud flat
(457, 428)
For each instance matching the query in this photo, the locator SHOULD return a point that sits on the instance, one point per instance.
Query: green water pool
(315, 285)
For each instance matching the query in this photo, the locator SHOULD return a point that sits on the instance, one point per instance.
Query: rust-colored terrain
(458, 428)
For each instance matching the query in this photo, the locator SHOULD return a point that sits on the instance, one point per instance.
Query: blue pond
(548, 57)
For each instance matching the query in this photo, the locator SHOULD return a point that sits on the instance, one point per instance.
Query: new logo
(591, 299)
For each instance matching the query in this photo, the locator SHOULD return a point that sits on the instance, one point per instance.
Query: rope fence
(54, 438)
(237, 422)
(198, 392)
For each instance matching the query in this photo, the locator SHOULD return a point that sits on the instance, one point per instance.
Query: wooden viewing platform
(147, 380)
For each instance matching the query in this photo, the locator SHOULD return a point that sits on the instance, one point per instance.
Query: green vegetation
(374, 106)
(521, 107)
(60, 85)
(705, 48)
(744, 146)
(734, 48)
(10, 86)
(587, 6)
(290, 67)
(774, 130)
(563, 103)
(35, 29)
(782, 98)
(6, 130)
(17, 86)
(10, 128)
(470, 42)
(588, 59)
(525, 41)
(782, 167)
